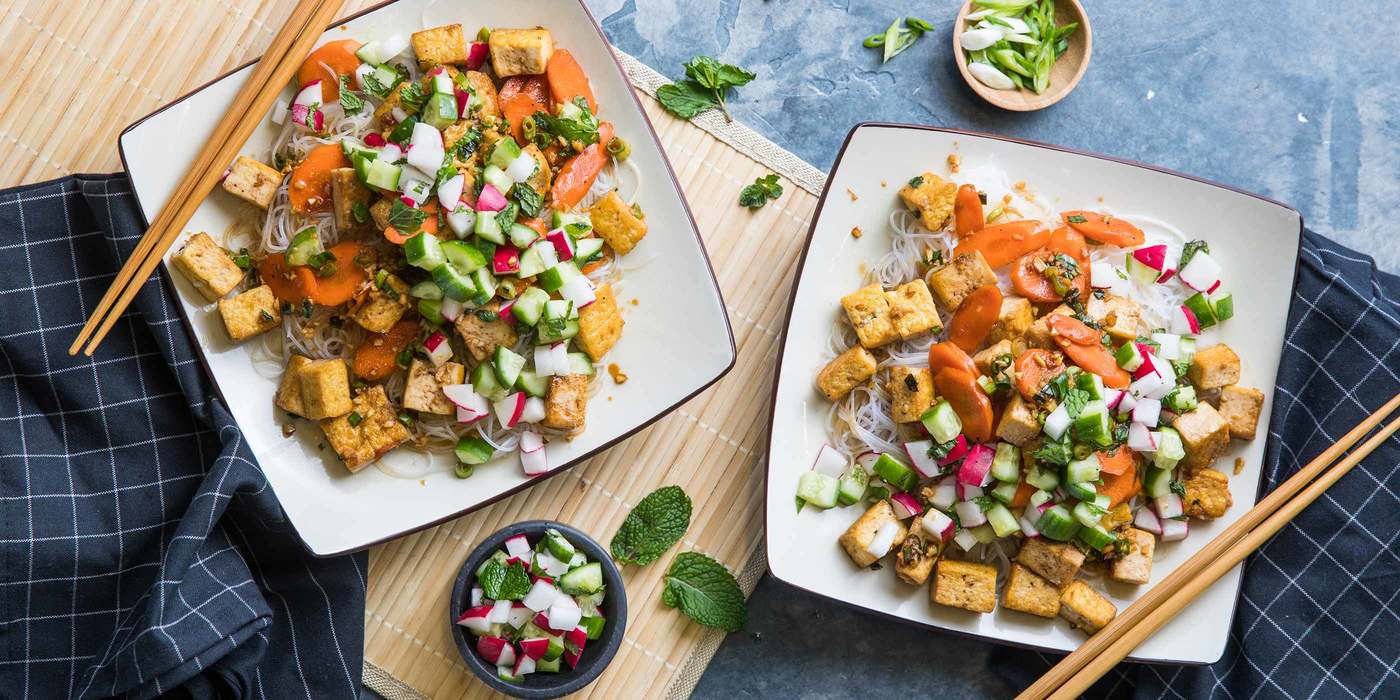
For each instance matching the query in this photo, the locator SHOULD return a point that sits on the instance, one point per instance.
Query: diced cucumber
(560, 219)
(1087, 514)
(588, 249)
(1186, 349)
(361, 163)
(1006, 465)
(427, 289)
(386, 77)
(497, 178)
(473, 450)
(384, 175)
(559, 310)
(552, 279)
(463, 256)
(485, 285)
(370, 52)
(1182, 399)
(1096, 537)
(1056, 523)
(983, 533)
(1090, 383)
(1169, 449)
(1002, 521)
(583, 580)
(1129, 356)
(423, 251)
(1042, 479)
(485, 383)
(489, 228)
(442, 85)
(548, 665)
(593, 625)
(1201, 307)
(508, 365)
(403, 131)
(431, 310)
(1158, 482)
(896, 473)
(531, 263)
(455, 284)
(440, 111)
(532, 384)
(579, 363)
(352, 147)
(1005, 491)
(1139, 271)
(851, 486)
(558, 546)
(305, 244)
(1093, 424)
(521, 236)
(505, 151)
(1223, 306)
(1083, 470)
(941, 422)
(1039, 497)
(529, 305)
(1081, 490)
(555, 330)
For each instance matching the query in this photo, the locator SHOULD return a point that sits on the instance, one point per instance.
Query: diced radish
(534, 463)
(867, 460)
(976, 466)
(1147, 520)
(1040, 509)
(1168, 345)
(504, 313)
(1147, 412)
(918, 456)
(967, 492)
(461, 220)
(439, 350)
(374, 140)
(1168, 506)
(476, 55)
(519, 615)
(564, 613)
(1113, 397)
(500, 612)
(1166, 275)
(1147, 365)
(576, 638)
(466, 399)
(883, 540)
(578, 290)
(1127, 403)
(1174, 530)
(829, 461)
(563, 244)
(389, 152)
(508, 410)
(530, 441)
(970, 514)
(477, 619)
(464, 101)
(506, 261)
(517, 546)
(469, 416)
(959, 451)
(1201, 273)
(905, 505)
(534, 410)
(306, 103)
(1028, 527)
(535, 647)
(450, 192)
(524, 666)
(425, 135)
(1140, 438)
(496, 650)
(490, 199)
(1184, 321)
(541, 596)
(1057, 422)
(945, 494)
(1147, 385)
(552, 360)
(477, 595)
(572, 657)
(965, 539)
(937, 524)
(522, 167)
(1153, 256)
(548, 563)
(452, 309)
(1213, 287)
(415, 190)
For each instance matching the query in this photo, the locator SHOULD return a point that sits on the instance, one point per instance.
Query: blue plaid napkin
(1319, 610)
(141, 550)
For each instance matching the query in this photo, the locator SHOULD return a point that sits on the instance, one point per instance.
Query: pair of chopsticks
(291, 45)
(1110, 645)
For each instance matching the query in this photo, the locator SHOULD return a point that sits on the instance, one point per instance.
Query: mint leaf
(762, 190)
(685, 99)
(349, 101)
(1189, 250)
(654, 526)
(404, 218)
(705, 591)
(491, 578)
(516, 583)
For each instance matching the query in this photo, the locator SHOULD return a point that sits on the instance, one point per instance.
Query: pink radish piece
(505, 312)
(496, 650)
(374, 140)
(464, 101)
(1112, 397)
(967, 492)
(1184, 321)
(307, 102)
(477, 595)
(829, 461)
(476, 55)
(534, 410)
(1028, 527)
(1168, 506)
(471, 406)
(390, 153)
(1148, 365)
(524, 666)
(1153, 256)
(959, 451)
(1174, 530)
(1057, 422)
(1140, 438)
(506, 261)
(553, 360)
(563, 244)
(564, 613)
(1147, 412)
(452, 309)
(518, 546)
(1166, 275)
(867, 460)
(1201, 272)
(439, 350)
(490, 199)
(450, 192)
(976, 466)
(477, 619)
(1147, 520)
(945, 494)
(1126, 403)
(905, 505)
(937, 524)
(508, 410)
(970, 514)
(535, 647)
(519, 615)
(542, 621)
(918, 456)
(500, 612)
(533, 459)
(883, 540)
(578, 290)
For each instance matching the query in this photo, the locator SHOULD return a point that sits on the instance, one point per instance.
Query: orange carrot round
(578, 173)
(1116, 462)
(968, 401)
(967, 211)
(289, 284)
(567, 80)
(1081, 344)
(377, 357)
(519, 98)
(1035, 368)
(975, 317)
(1067, 241)
(340, 287)
(1029, 282)
(1120, 487)
(1104, 228)
(310, 183)
(340, 57)
(947, 354)
(1024, 491)
(1002, 243)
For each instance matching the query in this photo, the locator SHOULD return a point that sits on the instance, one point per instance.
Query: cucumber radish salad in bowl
(1025, 402)
(433, 255)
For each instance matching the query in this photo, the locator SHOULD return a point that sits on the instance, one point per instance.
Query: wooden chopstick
(303, 27)
(1101, 641)
(1101, 664)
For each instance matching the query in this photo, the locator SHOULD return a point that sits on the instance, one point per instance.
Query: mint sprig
(504, 581)
(705, 591)
(656, 524)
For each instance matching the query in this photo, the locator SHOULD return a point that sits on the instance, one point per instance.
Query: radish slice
(425, 135)
(905, 505)
(524, 666)
(977, 466)
(522, 167)
(490, 199)
(883, 540)
(1153, 256)
(1126, 404)
(518, 546)
(945, 494)
(506, 261)
(970, 514)
(1057, 422)
(579, 290)
(533, 411)
(530, 441)
(563, 244)
(541, 596)
(1140, 439)
(494, 649)
(553, 360)
(1168, 345)
(1184, 322)
(829, 461)
(533, 459)
(959, 451)
(1168, 506)
(965, 539)
(967, 492)
(477, 619)
(439, 350)
(1201, 273)
(867, 460)
(1147, 520)
(1028, 527)
(476, 55)
(918, 456)
(1147, 412)
(1174, 530)
(461, 220)
(390, 153)
(452, 309)
(450, 193)
(508, 410)
(519, 615)
(534, 648)
(564, 613)
(1145, 387)
(476, 596)
(307, 102)
(374, 140)
(1113, 397)
(500, 612)
(937, 524)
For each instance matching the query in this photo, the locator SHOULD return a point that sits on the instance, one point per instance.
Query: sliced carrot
(1104, 228)
(310, 186)
(1029, 281)
(377, 357)
(948, 354)
(520, 100)
(1002, 243)
(1067, 241)
(430, 224)
(968, 401)
(1024, 491)
(339, 57)
(531, 85)
(975, 317)
(578, 173)
(537, 224)
(1035, 368)
(967, 211)
(1081, 344)
(341, 286)
(1116, 462)
(567, 80)
(1120, 487)
(289, 284)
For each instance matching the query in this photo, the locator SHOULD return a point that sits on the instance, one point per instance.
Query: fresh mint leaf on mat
(654, 526)
(762, 190)
(706, 87)
(705, 591)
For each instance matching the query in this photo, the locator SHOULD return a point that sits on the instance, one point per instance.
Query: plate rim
(685, 207)
(787, 323)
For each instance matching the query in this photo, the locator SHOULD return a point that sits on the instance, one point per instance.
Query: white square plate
(1254, 238)
(677, 341)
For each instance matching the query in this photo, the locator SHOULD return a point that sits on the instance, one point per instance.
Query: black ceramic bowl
(597, 654)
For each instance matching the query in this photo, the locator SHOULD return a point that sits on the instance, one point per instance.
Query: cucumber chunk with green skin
(850, 488)
(1158, 482)
(455, 284)
(580, 363)
(361, 162)
(489, 228)
(508, 365)
(1086, 513)
(593, 625)
(1043, 479)
(1129, 356)
(817, 489)
(521, 236)
(583, 580)
(895, 473)
(1006, 465)
(555, 330)
(431, 311)
(548, 665)
(440, 111)
(423, 251)
(532, 384)
(1005, 491)
(531, 263)
(485, 285)
(473, 450)
(558, 547)
(1083, 491)
(1093, 425)
(1200, 305)
(498, 179)
(1096, 537)
(384, 175)
(588, 250)
(1223, 306)
(403, 131)
(427, 289)
(442, 85)
(530, 305)
(305, 245)
(1083, 470)
(554, 277)
(505, 151)
(1056, 523)
(1170, 450)
(1090, 383)
(941, 422)
(1002, 521)
(559, 310)
(485, 383)
(463, 256)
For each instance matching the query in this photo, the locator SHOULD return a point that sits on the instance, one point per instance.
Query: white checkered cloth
(141, 549)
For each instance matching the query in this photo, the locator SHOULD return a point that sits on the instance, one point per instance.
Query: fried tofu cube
(387, 302)
(253, 181)
(916, 555)
(423, 392)
(1019, 423)
(954, 281)
(1214, 367)
(250, 313)
(288, 396)
(616, 224)
(347, 196)
(379, 212)
(487, 102)
(931, 197)
(481, 336)
(856, 539)
(1119, 316)
(847, 371)
(325, 389)
(599, 324)
(912, 310)
(1135, 566)
(566, 404)
(1027, 592)
(1240, 407)
(1207, 494)
(1015, 317)
(438, 45)
(911, 392)
(540, 179)
(987, 359)
(367, 431)
(966, 585)
(1204, 434)
(1038, 334)
(869, 312)
(1085, 608)
(520, 51)
(1056, 562)
(207, 266)
(383, 114)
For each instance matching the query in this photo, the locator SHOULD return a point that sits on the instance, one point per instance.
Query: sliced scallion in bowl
(1013, 44)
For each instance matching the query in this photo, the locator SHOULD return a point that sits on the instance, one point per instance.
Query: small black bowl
(597, 654)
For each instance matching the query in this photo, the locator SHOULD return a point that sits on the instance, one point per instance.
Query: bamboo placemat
(134, 56)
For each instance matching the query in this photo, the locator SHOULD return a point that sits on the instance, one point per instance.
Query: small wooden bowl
(1063, 76)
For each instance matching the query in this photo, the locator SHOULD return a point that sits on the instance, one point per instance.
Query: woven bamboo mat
(136, 56)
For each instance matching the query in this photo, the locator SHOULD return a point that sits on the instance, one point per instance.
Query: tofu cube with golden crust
(566, 404)
(1038, 335)
(1027, 592)
(379, 212)
(423, 392)
(988, 359)
(1204, 434)
(915, 557)
(912, 310)
(481, 336)
(438, 45)
(325, 389)
(856, 539)
(1136, 565)
(1207, 494)
(911, 392)
(253, 181)
(846, 372)
(520, 51)
(1240, 407)
(954, 281)
(931, 197)
(1015, 317)
(540, 180)
(207, 266)
(367, 432)
(869, 312)
(1056, 562)
(1119, 316)
(346, 194)
(1214, 367)
(1019, 423)
(599, 324)
(288, 396)
(616, 224)
(485, 96)
(387, 302)
(250, 313)
(966, 585)
(1085, 608)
